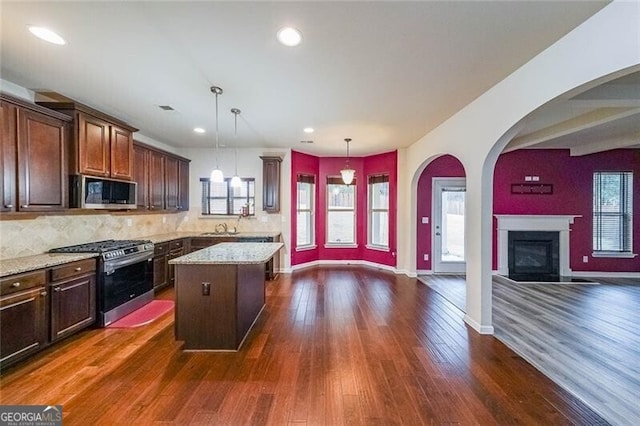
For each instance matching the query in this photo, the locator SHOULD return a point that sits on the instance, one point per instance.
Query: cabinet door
(183, 185)
(42, 181)
(8, 141)
(271, 184)
(23, 326)
(121, 153)
(156, 180)
(73, 305)
(160, 271)
(93, 145)
(171, 181)
(141, 175)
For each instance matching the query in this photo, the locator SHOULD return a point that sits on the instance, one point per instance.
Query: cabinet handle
(15, 285)
(8, 206)
(78, 269)
(24, 206)
(56, 289)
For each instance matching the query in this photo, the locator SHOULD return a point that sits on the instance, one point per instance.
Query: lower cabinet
(73, 305)
(23, 323)
(163, 273)
(41, 307)
(160, 270)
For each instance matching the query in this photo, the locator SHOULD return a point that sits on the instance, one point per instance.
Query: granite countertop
(31, 263)
(161, 238)
(18, 265)
(230, 253)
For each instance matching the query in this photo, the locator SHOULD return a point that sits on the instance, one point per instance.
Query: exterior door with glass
(448, 225)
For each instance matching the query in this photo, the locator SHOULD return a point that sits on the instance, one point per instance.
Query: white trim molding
(482, 329)
(344, 263)
(523, 222)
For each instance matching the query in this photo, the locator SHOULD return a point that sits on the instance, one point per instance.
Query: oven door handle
(111, 265)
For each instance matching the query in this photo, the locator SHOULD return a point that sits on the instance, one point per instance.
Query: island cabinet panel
(206, 311)
(250, 298)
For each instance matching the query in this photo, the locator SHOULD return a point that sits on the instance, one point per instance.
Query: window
(341, 212)
(223, 199)
(305, 229)
(612, 213)
(378, 211)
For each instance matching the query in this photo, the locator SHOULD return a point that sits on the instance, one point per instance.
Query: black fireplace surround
(534, 256)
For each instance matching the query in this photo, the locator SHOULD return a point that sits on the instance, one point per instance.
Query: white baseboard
(343, 263)
(482, 329)
(591, 274)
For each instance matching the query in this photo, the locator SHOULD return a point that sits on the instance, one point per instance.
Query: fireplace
(560, 224)
(534, 255)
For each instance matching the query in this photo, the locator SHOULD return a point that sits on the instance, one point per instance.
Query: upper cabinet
(271, 183)
(101, 145)
(163, 179)
(33, 157)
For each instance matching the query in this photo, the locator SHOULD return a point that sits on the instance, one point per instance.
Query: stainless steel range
(124, 276)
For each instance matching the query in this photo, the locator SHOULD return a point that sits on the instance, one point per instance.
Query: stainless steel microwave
(90, 192)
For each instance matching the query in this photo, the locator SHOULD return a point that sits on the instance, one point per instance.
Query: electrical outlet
(164, 219)
(425, 220)
(585, 259)
(527, 178)
(535, 178)
(129, 222)
(426, 257)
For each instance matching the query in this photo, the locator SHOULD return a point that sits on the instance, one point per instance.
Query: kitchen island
(220, 292)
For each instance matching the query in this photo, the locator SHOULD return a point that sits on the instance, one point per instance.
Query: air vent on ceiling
(166, 107)
(306, 141)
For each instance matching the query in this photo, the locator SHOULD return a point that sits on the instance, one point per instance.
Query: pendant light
(236, 182)
(217, 175)
(347, 173)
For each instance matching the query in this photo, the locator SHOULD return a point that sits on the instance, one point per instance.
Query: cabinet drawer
(20, 282)
(160, 249)
(176, 244)
(73, 269)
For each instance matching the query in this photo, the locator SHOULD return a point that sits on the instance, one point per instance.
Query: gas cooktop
(100, 246)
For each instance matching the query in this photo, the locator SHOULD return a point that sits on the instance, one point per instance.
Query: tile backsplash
(35, 236)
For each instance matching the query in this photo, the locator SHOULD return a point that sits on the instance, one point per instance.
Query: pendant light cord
(217, 137)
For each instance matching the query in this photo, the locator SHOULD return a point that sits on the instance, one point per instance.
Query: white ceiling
(382, 73)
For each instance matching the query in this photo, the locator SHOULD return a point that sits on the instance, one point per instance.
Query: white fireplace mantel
(522, 222)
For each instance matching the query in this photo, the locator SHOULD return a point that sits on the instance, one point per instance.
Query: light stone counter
(231, 253)
(18, 265)
(161, 238)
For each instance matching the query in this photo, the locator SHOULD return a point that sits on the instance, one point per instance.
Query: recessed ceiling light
(308, 130)
(289, 36)
(198, 130)
(46, 35)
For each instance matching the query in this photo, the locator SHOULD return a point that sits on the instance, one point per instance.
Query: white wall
(604, 44)
(203, 160)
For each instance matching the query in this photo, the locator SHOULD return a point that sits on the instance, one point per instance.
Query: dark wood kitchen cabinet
(271, 183)
(160, 267)
(34, 151)
(163, 179)
(23, 316)
(176, 249)
(73, 297)
(101, 145)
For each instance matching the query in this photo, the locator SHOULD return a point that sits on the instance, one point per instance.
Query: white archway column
(478, 237)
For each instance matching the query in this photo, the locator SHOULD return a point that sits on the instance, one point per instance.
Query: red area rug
(144, 315)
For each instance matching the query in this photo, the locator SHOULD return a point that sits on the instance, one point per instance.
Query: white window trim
(614, 254)
(353, 244)
(378, 248)
(312, 211)
(306, 247)
(371, 210)
(340, 245)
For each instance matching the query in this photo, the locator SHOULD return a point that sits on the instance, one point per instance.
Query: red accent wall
(322, 167)
(445, 166)
(572, 180)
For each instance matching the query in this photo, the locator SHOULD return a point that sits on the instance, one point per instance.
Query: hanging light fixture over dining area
(347, 172)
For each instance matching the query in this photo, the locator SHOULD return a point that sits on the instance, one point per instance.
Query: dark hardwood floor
(334, 346)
